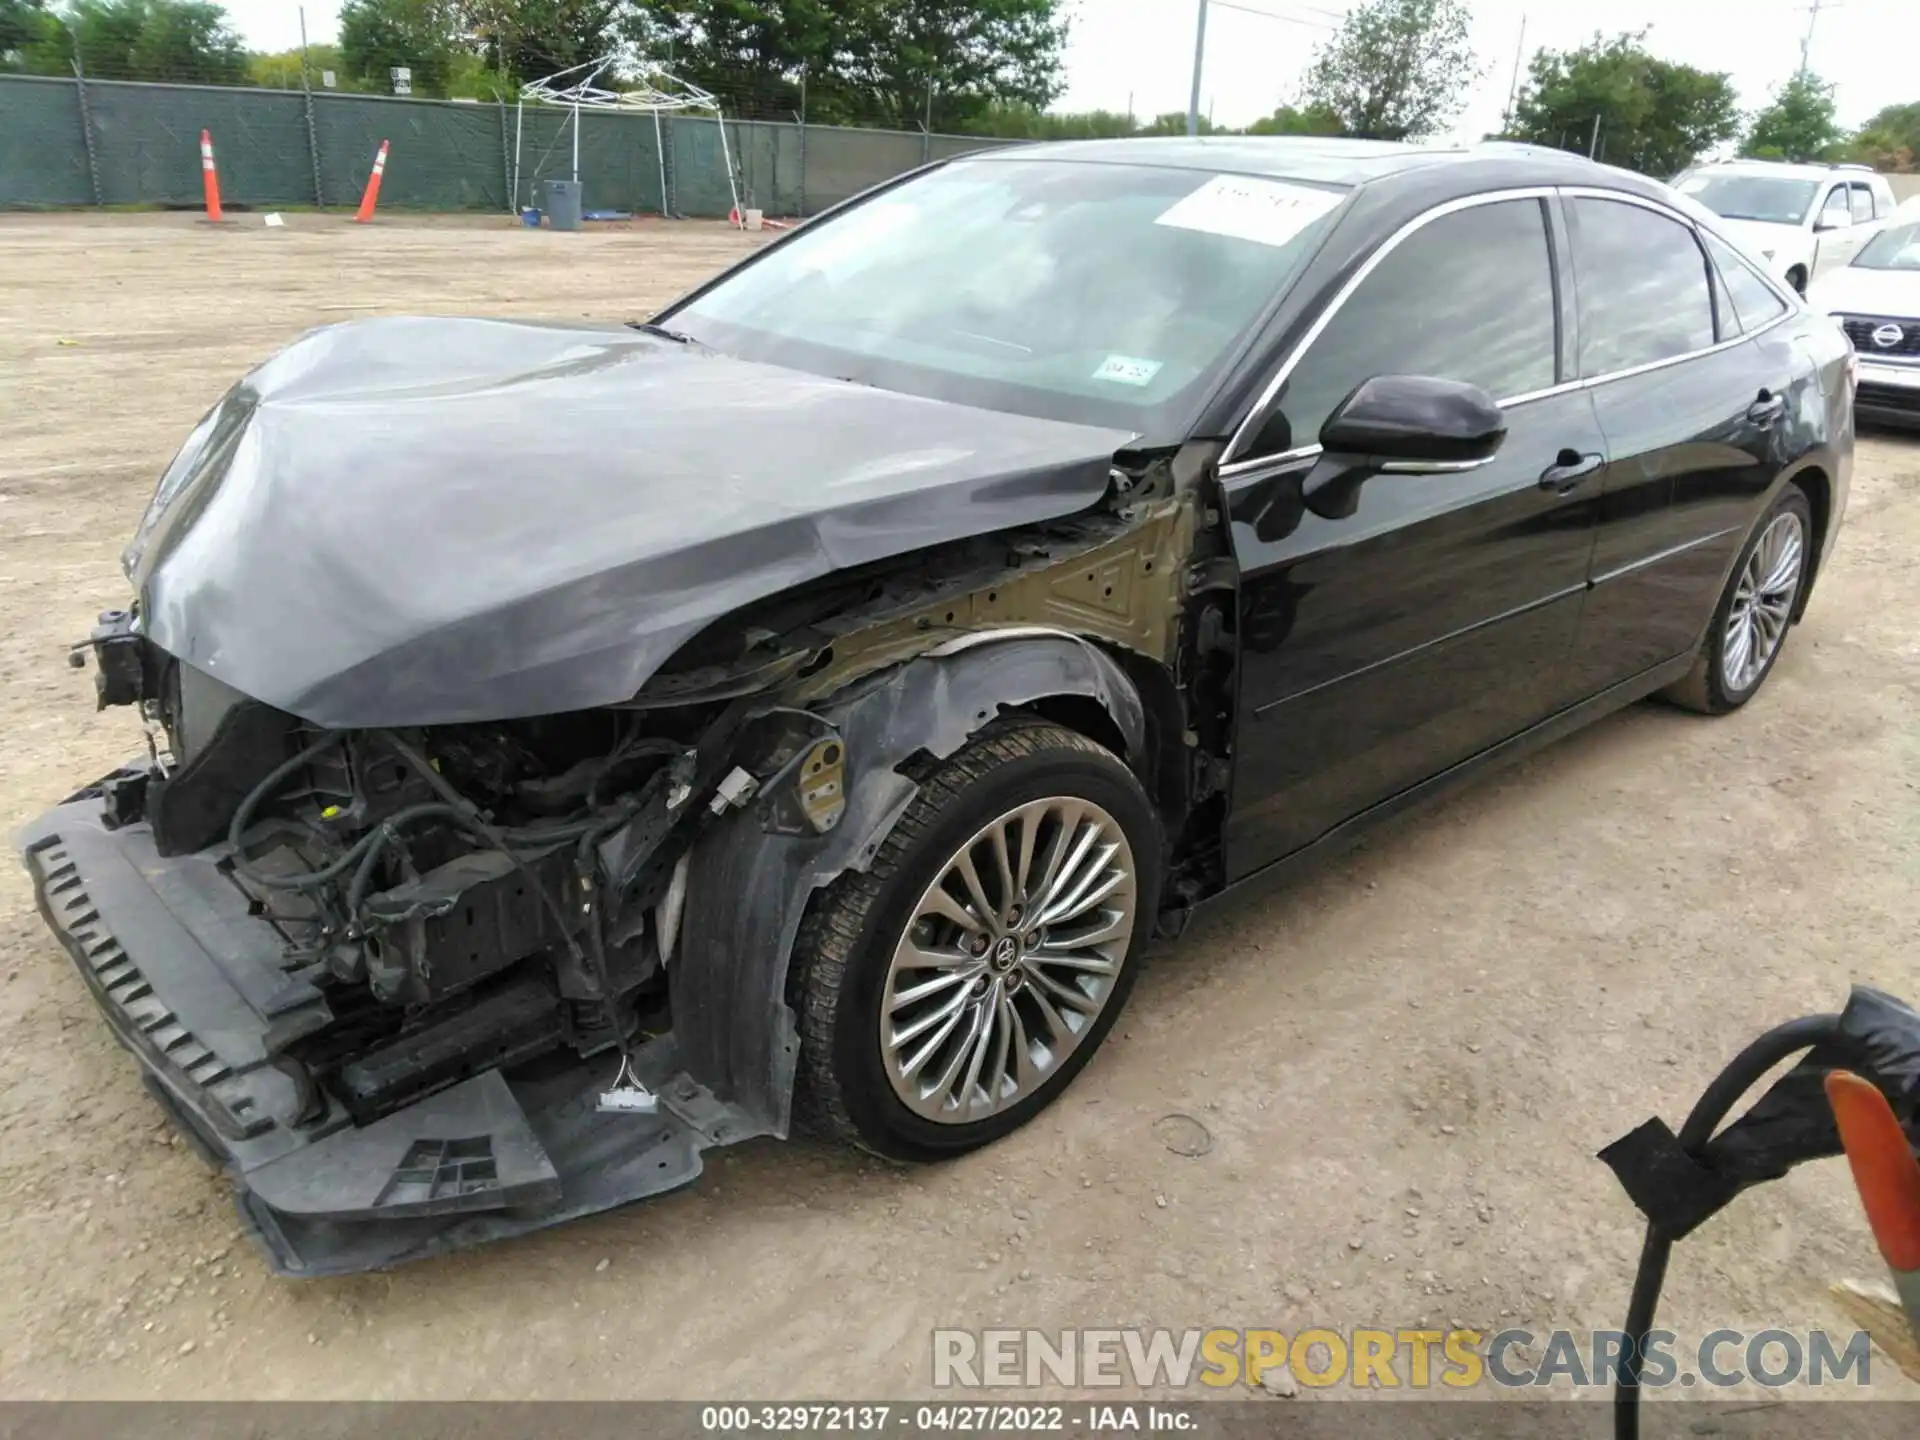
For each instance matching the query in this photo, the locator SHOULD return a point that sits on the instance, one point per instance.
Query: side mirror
(1407, 424)
(1833, 220)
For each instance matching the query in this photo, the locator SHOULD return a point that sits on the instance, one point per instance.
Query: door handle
(1569, 471)
(1767, 409)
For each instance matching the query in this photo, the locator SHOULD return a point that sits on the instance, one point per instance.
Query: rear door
(1381, 648)
(1690, 409)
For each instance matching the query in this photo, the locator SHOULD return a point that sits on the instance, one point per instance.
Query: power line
(1270, 15)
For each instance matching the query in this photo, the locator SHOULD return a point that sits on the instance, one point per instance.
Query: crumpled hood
(421, 521)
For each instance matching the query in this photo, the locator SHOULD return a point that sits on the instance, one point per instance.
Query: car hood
(425, 521)
(1858, 290)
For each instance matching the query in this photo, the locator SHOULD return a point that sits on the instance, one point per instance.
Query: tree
(1798, 124)
(1629, 107)
(281, 70)
(1028, 122)
(893, 62)
(184, 40)
(23, 24)
(1395, 69)
(531, 39)
(1288, 120)
(1890, 140)
(377, 36)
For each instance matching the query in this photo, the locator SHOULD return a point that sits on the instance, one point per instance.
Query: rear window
(1642, 280)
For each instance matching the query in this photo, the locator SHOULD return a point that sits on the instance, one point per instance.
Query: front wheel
(1750, 623)
(952, 991)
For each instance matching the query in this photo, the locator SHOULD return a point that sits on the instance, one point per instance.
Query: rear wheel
(1755, 611)
(953, 990)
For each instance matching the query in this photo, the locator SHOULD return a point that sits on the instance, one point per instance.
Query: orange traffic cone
(209, 177)
(1887, 1177)
(367, 200)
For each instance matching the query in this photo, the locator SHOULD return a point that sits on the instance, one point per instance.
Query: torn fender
(749, 885)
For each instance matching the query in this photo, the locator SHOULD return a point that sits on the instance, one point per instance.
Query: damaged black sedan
(572, 748)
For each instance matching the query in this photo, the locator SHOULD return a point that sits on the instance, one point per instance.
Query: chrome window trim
(1234, 466)
(1242, 436)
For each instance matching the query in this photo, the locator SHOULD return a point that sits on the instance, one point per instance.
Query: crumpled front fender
(749, 885)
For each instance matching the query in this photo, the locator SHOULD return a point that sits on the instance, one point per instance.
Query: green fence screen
(87, 142)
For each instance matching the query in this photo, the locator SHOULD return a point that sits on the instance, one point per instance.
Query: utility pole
(1513, 89)
(1813, 19)
(1199, 55)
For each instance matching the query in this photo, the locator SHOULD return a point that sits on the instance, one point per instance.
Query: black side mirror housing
(1412, 424)
(1415, 418)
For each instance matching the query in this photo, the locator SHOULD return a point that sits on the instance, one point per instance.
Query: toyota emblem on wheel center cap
(1888, 336)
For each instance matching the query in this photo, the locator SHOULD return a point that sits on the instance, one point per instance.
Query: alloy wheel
(1763, 602)
(1009, 957)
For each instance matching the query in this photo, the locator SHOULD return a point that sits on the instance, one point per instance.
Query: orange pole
(209, 177)
(367, 200)
(1884, 1171)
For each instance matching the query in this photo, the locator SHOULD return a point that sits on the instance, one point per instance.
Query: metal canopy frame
(650, 88)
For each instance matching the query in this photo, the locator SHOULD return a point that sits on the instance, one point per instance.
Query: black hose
(1708, 1111)
(243, 815)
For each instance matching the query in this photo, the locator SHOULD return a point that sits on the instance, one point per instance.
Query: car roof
(1788, 170)
(1303, 157)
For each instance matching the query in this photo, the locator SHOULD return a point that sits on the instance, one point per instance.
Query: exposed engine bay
(402, 963)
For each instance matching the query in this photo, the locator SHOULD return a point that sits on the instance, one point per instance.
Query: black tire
(1797, 278)
(846, 943)
(1705, 689)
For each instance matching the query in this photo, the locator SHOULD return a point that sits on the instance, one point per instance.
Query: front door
(1836, 238)
(1380, 649)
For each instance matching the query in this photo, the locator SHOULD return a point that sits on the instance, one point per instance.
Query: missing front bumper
(190, 982)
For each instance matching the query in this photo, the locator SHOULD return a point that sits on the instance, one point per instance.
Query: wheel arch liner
(749, 886)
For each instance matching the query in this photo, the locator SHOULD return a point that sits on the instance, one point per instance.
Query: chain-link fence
(108, 142)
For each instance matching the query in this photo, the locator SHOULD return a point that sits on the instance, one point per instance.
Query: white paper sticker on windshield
(1126, 370)
(1267, 212)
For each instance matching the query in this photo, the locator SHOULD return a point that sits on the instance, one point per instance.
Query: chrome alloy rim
(1763, 602)
(1008, 960)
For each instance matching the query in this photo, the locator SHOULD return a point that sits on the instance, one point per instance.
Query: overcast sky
(1143, 49)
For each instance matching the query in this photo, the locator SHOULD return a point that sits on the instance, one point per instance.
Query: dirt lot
(1405, 1061)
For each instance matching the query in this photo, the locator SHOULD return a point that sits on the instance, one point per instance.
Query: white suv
(1803, 220)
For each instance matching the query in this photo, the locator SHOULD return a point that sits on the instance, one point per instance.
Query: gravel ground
(1405, 1060)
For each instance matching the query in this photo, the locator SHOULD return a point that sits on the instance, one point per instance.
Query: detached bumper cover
(192, 984)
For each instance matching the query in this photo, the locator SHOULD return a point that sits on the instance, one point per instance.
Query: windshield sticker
(1267, 212)
(1125, 370)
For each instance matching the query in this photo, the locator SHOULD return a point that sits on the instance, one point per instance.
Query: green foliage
(281, 71)
(1306, 120)
(376, 36)
(188, 41)
(22, 24)
(1395, 69)
(1890, 140)
(1174, 122)
(1654, 116)
(889, 62)
(1025, 122)
(531, 39)
(1798, 124)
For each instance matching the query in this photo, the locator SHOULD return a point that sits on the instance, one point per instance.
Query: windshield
(1895, 248)
(1096, 293)
(1752, 197)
